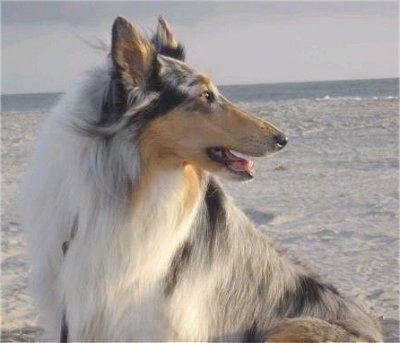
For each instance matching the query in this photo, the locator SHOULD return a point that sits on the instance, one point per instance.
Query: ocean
(318, 91)
(330, 198)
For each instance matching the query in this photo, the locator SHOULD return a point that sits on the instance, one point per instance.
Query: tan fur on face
(157, 157)
(183, 135)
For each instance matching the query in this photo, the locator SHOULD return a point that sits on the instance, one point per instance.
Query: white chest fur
(116, 275)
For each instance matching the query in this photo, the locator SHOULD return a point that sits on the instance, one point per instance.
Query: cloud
(43, 45)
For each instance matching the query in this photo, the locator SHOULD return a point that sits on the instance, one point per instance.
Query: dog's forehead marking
(175, 72)
(179, 75)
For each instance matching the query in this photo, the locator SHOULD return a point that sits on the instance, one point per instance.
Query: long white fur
(117, 259)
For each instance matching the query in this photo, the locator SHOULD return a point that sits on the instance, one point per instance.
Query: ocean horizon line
(242, 84)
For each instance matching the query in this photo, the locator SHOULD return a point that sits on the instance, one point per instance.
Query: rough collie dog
(124, 174)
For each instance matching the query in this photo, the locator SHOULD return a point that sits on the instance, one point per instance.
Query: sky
(47, 45)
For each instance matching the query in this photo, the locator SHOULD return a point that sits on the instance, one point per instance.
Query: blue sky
(46, 45)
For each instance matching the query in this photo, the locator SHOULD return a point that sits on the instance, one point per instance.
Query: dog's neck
(165, 205)
(177, 187)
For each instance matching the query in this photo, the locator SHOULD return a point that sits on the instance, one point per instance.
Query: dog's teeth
(238, 154)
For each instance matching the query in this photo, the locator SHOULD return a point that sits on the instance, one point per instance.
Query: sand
(330, 197)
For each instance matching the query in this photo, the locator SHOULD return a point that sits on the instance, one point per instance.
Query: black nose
(281, 140)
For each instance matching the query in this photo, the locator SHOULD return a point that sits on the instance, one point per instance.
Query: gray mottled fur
(256, 286)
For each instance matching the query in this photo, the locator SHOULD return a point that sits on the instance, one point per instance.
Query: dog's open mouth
(233, 161)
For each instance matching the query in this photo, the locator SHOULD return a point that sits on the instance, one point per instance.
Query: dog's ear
(132, 54)
(165, 42)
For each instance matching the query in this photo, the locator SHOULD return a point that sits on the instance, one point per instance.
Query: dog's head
(183, 118)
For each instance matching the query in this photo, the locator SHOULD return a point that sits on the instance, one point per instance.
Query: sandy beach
(330, 198)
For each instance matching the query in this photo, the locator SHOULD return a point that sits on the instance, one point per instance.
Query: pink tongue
(239, 164)
(242, 166)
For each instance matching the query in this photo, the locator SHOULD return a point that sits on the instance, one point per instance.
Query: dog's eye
(208, 95)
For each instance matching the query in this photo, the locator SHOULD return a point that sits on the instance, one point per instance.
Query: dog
(130, 233)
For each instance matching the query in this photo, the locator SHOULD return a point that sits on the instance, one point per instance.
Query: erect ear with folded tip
(132, 54)
(165, 42)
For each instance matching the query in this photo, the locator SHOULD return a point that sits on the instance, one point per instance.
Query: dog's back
(256, 288)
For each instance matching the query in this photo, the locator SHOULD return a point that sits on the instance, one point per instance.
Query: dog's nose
(281, 140)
